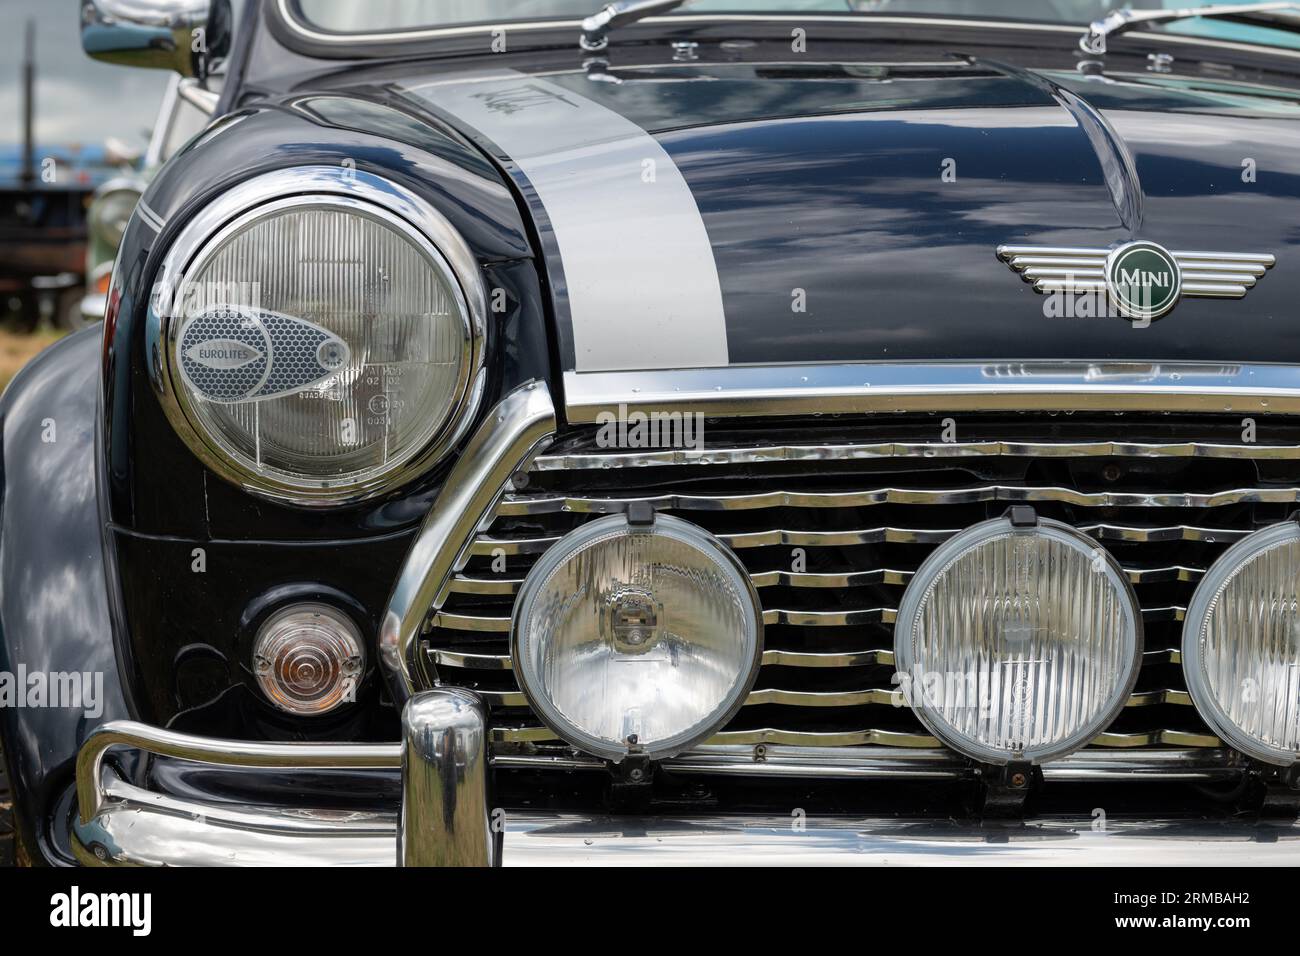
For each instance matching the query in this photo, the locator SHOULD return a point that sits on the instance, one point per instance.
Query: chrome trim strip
(857, 697)
(488, 547)
(766, 454)
(214, 751)
(871, 615)
(518, 504)
(882, 615)
(471, 622)
(783, 658)
(771, 616)
(231, 753)
(1173, 612)
(461, 584)
(522, 734)
(1148, 698)
(773, 656)
(1164, 575)
(893, 762)
(871, 736)
(765, 735)
(1174, 738)
(848, 579)
(516, 429)
(481, 662)
(1114, 532)
(140, 828)
(783, 390)
(303, 30)
(503, 698)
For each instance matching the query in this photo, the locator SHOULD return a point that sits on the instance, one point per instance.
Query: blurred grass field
(16, 350)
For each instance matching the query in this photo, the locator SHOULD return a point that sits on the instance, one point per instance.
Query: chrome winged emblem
(1143, 279)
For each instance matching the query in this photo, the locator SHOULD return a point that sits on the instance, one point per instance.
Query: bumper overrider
(447, 814)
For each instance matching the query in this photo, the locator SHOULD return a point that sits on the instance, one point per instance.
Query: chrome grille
(864, 506)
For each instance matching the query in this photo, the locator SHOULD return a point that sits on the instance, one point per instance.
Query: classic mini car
(707, 432)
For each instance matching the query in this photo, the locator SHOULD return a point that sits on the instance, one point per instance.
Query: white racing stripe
(642, 285)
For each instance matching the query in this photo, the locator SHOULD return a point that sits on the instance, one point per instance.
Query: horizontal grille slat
(1020, 449)
(487, 546)
(463, 584)
(774, 657)
(863, 697)
(515, 505)
(883, 738)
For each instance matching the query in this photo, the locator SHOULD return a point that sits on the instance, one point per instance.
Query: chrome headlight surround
(348, 189)
(919, 592)
(652, 629)
(1206, 602)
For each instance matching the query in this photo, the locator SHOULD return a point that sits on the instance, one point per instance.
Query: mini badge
(231, 354)
(1143, 280)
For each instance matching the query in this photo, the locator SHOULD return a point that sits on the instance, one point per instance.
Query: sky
(78, 101)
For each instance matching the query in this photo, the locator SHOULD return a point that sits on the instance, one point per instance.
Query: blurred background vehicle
(69, 126)
(114, 201)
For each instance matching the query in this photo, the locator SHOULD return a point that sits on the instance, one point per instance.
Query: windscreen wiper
(1284, 15)
(595, 29)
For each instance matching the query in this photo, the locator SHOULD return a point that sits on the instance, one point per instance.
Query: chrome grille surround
(866, 512)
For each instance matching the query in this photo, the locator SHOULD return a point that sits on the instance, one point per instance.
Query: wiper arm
(1121, 21)
(595, 29)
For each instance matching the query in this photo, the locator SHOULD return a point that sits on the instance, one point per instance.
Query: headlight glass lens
(643, 638)
(319, 345)
(1018, 642)
(1241, 645)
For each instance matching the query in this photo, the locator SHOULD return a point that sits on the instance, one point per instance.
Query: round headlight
(1241, 645)
(320, 348)
(1018, 641)
(637, 638)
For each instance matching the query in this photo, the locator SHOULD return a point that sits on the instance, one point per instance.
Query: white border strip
(641, 284)
(149, 217)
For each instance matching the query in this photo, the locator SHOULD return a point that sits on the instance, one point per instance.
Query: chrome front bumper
(447, 818)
